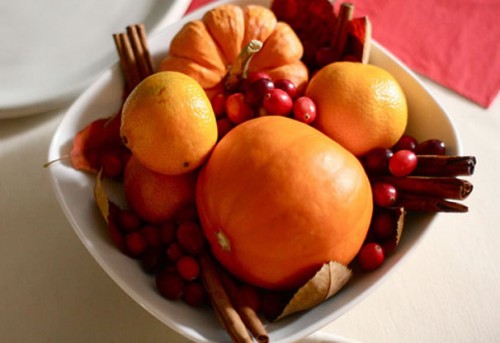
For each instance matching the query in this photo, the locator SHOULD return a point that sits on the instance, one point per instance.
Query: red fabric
(453, 42)
(196, 4)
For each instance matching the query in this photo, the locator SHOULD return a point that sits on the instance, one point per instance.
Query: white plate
(74, 192)
(53, 49)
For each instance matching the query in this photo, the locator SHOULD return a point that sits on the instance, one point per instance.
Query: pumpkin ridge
(195, 43)
(260, 22)
(282, 47)
(226, 21)
(206, 77)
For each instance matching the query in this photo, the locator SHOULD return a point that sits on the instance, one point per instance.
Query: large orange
(157, 197)
(277, 199)
(361, 106)
(168, 123)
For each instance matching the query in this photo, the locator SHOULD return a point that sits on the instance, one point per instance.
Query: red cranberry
(371, 256)
(190, 237)
(174, 252)
(218, 102)
(377, 160)
(195, 294)
(277, 102)
(237, 109)
(402, 163)
(384, 225)
(384, 194)
(288, 86)
(129, 221)
(188, 267)
(135, 244)
(167, 232)
(170, 286)
(256, 91)
(406, 142)
(304, 110)
(431, 147)
(112, 164)
(151, 234)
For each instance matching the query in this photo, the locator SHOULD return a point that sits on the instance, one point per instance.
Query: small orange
(157, 197)
(168, 123)
(361, 106)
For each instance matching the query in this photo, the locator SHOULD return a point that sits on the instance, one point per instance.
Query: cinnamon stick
(134, 76)
(445, 165)
(144, 42)
(423, 203)
(225, 311)
(137, 36)
(341, 28)
(127, 61)
(245, 310)
(438, 187)
(135, 59)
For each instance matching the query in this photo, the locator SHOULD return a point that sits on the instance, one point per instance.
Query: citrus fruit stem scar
(223, 241)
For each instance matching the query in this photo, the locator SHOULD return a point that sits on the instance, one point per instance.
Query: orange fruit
(168, 123)
(360, 106)
(157, 197)
(277, 199)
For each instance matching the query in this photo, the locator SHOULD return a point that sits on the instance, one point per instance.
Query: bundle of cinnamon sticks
(434, 185)
(135, 59)
(238, 317)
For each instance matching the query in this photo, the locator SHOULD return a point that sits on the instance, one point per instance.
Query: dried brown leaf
(101, 198)
(329, 279)
(359, 39)
(400, 224)
(94, 139)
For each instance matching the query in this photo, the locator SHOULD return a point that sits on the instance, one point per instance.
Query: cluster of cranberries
(398, 161)
(169, 251)
(259, 95)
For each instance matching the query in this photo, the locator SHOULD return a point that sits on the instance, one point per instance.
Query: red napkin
(197, 3)
(453, 42)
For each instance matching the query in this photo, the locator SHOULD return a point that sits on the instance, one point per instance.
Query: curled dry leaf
(109, 211)
(94, 139)
(328, 281)
(359, 39)
(400, 223)
(398, 218)
(101, 198)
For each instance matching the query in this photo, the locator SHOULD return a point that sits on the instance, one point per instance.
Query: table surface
(52, 290)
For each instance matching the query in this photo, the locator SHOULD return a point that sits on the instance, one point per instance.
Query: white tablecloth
(51, 289)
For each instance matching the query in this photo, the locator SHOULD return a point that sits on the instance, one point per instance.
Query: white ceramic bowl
(74, 191)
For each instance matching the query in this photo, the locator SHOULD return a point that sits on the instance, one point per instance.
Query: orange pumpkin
(277, 199)
(208, 49)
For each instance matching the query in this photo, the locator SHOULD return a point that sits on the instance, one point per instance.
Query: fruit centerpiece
(264, 162)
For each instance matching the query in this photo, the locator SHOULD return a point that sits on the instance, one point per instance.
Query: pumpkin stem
(240, 68)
